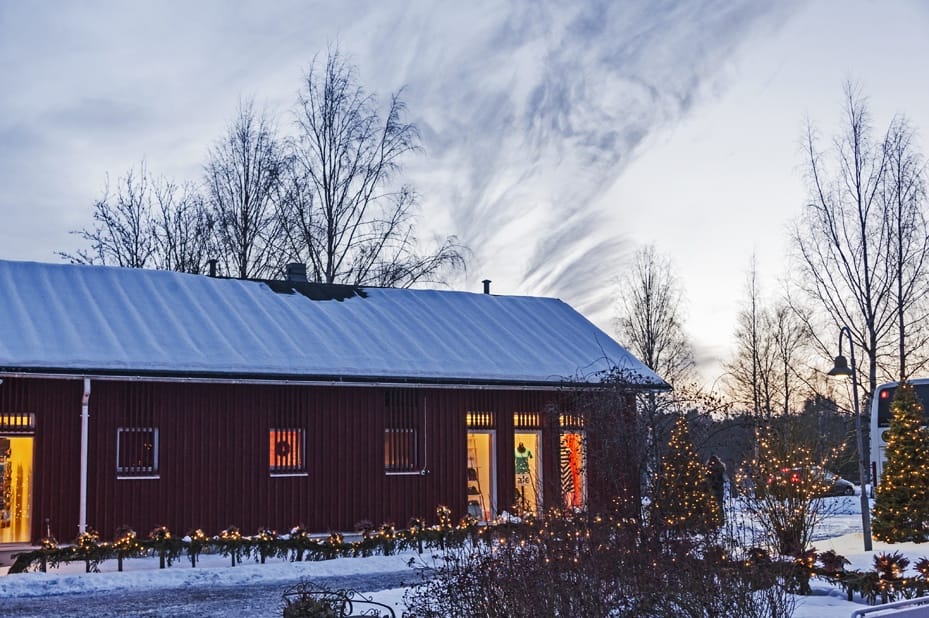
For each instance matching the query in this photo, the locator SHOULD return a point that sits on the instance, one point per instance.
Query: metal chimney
(212, 264)
(486, 283)
(295, 271)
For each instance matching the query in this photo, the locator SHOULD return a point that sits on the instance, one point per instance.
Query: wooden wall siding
(214, 460)
(57, 406)
(213, 455)
(604, 484)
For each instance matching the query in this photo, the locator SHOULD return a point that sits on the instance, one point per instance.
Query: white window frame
(415, 466)
(136, 473)
(285, 471)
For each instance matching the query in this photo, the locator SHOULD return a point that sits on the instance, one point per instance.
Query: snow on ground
(841, 532)
(212, 570)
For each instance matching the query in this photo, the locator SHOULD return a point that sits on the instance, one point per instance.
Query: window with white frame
(137, 451)
(401, 431)
(400, 452)
(286, 449)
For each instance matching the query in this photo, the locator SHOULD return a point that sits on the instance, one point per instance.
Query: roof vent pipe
(212, 264)
(486, 283)
(295, 271)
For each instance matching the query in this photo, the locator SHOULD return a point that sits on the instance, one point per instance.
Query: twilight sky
(557, 138)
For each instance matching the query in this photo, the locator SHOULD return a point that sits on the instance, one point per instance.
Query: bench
(307, 599)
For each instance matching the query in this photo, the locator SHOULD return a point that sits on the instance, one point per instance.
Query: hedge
(297, 545)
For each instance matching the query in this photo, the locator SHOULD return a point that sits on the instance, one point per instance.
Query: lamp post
(842, 370)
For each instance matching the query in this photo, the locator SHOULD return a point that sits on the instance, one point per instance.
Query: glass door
(482, 497)
(528, 466)
(15, 489)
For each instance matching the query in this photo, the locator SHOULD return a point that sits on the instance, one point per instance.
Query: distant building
(152, 398)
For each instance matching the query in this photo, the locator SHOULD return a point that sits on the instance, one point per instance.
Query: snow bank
(213, 571)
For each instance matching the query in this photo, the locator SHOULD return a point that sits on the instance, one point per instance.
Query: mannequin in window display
(523, 478)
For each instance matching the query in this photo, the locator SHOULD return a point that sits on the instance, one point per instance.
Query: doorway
(482, 491)
(15, 489)
(527, 447)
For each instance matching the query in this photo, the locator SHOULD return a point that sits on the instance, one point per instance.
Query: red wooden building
(155, 398)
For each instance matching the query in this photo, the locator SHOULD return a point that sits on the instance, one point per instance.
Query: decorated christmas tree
(901, 510)
(683, 501)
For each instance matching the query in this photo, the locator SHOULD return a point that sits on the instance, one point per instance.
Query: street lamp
(842, 370)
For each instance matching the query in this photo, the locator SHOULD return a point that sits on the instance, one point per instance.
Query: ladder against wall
(476, 501)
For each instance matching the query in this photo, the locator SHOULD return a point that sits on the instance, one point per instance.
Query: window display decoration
(285, 447)
(572, 470)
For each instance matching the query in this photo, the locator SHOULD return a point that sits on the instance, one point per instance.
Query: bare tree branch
(345, 214)
(843, 237)
(242, 181)
(123, 232)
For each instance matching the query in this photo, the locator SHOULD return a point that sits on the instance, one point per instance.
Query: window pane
(573, 473)
(137, 450)
(285, 450)
(400, 450)
(401, 431)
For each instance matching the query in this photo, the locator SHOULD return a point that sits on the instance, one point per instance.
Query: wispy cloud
(529, 110)
(555, 101)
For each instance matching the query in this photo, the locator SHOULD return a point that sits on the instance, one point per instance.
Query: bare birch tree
(123, 231)
(791, 341)
(243, 182)
(747, 373)
(329, 197)
(183, 228)
(904, 194)
(768, 373)
(347, 216)
(650, 323)
(845, 240)
(148, 222)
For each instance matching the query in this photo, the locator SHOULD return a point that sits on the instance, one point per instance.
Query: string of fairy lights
(901, 508)
(683, 500)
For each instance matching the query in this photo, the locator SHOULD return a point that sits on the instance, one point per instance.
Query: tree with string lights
(682, 501)
(785, 483)
(901, 508)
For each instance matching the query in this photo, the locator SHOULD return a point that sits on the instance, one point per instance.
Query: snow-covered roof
(63, 318)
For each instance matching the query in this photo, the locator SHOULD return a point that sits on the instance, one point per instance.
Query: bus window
(885, 396)
(880, 420)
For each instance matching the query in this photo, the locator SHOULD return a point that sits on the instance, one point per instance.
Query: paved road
(258, 600)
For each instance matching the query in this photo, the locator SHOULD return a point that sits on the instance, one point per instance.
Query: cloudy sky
(557, 138)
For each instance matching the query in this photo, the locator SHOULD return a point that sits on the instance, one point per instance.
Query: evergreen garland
(901, 509)
(683, 502)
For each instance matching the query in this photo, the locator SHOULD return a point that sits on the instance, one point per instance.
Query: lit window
(285, 451)
(573, 470)
(137, 451)
(12, 422)
(480, 420)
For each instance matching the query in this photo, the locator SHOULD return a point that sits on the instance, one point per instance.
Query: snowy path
(222, 601)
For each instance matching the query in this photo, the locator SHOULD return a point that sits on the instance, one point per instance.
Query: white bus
(880, 420)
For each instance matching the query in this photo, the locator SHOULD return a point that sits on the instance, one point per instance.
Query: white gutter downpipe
(85, 417)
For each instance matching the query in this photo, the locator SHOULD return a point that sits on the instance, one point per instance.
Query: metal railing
(910, 608)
